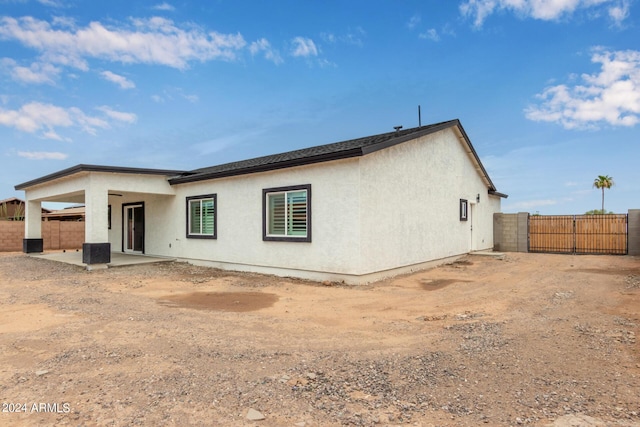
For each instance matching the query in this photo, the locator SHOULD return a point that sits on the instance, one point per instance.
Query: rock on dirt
(530, 339)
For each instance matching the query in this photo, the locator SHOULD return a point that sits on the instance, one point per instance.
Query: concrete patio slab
(118, 259)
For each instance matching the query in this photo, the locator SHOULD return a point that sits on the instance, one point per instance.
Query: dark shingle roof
(322, 153)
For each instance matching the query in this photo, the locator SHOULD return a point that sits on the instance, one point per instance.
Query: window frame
(266, 217)
(464, 209)
(201, 198)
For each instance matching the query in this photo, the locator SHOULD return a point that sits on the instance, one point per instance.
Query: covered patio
(114, 202)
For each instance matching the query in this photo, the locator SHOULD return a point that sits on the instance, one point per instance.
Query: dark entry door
(134, 228)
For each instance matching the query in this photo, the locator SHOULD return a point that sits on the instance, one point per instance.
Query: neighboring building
(356, 210)
(12, 209)
(73, 213)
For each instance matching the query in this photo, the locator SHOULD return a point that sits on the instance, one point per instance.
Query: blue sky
(547, 90)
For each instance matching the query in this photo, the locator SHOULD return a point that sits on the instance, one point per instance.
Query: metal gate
(578, 234)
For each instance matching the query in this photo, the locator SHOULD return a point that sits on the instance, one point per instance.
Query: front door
(472, 208)
(133, 232)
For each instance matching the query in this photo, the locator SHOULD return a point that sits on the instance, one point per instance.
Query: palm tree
(603, 181)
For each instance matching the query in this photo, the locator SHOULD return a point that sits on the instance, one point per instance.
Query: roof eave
(96, 168)
(498, 194)
(355, 152)
(417, 134)
(472, 151)
(268, 167)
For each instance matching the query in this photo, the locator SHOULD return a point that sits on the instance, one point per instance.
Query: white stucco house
(352, 211)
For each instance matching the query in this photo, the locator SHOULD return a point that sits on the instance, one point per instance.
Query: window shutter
(287, 214)
(194, 219)
(297, 213)
(201, 216)
(277, 214)
(207, 216)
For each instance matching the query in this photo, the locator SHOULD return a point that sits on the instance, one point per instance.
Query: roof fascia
(417, 134)
(355, 152)
(467, 141)
(95, 168)
(498, 194)
(345, 154)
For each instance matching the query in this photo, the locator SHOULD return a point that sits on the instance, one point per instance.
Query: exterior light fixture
(478, 198)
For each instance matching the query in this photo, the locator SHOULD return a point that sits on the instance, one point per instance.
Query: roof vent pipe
(397, 128)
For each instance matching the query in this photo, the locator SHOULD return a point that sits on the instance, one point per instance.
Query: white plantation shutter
(297, 213)
(201, 217)
(194, 217)
(287, 213)
(207, 216)
(277, 214)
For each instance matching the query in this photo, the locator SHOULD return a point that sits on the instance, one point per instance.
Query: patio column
(32, 241)
(96, 249)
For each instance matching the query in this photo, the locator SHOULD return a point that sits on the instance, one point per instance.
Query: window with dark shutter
(463, 209)
(201, 216)
(287, 214)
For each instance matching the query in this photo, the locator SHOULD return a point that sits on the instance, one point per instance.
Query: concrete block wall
(55, 235)
(71, 235)
(633, 227)
(11, 235)
(511, 232)
(504, 236)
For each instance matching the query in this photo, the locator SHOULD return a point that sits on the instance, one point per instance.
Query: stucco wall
(97, 190)
(410, 203)
(335, 226)
(397, 207)
(393, 208)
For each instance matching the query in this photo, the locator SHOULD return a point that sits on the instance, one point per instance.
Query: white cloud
(270, 54)
(354, 37)
(191, 98)
(121, 81)
(164, 6)
(88, 124)
(35, 116)
(304, 47)
(430, 34)
(118, 115)
(37, 73)
(52, 3)
(42, 155)
(52, 134)
(620, 12)
(612, 96)
(414, 21)
(171, 93)
(546, 10)
(45, 118)
(151, 41)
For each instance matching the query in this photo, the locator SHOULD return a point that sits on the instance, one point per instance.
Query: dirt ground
(528, 339)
